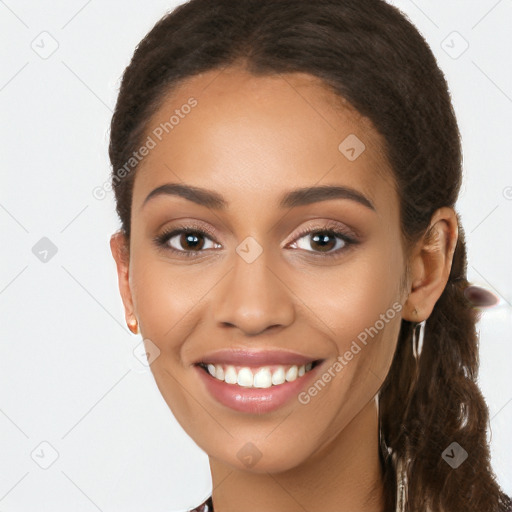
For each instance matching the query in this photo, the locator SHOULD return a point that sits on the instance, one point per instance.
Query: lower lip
(255, 400)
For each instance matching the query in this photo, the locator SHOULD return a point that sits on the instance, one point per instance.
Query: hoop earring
(401, 485)
(401, 482)
(417, 338)
(133, 325)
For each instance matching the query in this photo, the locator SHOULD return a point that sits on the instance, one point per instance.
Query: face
(319, 276)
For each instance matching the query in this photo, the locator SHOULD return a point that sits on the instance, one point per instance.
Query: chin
(262, 458)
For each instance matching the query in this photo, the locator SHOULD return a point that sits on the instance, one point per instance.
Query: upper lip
(241, 357)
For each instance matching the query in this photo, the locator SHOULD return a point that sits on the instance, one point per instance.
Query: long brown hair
(370, 54)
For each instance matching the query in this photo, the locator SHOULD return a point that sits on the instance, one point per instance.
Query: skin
(251, 139)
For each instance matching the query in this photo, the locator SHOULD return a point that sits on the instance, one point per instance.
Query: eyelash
(329, 228)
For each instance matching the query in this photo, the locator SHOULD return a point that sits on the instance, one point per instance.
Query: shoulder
(206, 506)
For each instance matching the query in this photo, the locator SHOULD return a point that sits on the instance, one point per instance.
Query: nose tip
(253, 299)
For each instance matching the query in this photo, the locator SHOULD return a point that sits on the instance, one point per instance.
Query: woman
(285, 174)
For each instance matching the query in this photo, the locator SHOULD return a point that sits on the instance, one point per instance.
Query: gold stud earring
(133, 325)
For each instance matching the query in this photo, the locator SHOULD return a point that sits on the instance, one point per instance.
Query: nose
(254, 298)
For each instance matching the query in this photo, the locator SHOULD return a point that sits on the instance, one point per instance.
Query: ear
(430, 264)
(120, 248)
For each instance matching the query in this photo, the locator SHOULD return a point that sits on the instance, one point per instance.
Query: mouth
(257, 389)
(263, 376)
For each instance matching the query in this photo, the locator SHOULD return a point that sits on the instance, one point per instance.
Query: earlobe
(431, 264)
(119, 246)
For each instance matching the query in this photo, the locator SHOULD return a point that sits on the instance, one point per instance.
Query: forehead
(250, 135)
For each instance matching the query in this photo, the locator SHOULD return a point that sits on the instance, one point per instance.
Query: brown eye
(191, 241)
(324, 242)
(185, 241)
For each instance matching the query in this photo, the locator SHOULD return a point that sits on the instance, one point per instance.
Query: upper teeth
(261, 378)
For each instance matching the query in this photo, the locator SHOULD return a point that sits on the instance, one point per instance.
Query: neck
(344, 474)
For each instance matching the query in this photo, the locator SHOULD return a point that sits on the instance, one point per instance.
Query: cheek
(167, 300)
(351, 298)
(357, 306)
(165, 297)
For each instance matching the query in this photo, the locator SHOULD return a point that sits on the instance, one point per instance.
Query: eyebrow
(290, 199)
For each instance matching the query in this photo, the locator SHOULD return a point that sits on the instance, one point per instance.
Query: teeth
(291, 374)
(262, 377)
(230, 375)
(245, 378)
(219, 372)
(278, 376)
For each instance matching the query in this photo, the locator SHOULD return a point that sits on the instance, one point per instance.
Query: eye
(190, 238)
(324, 240)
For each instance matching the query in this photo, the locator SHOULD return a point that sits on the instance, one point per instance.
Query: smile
(260, 377)
(256, 390)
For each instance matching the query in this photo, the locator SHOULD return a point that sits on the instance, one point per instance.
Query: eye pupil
(190, 238)
(318, 238)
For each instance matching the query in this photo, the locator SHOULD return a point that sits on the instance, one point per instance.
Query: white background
(68, 375)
